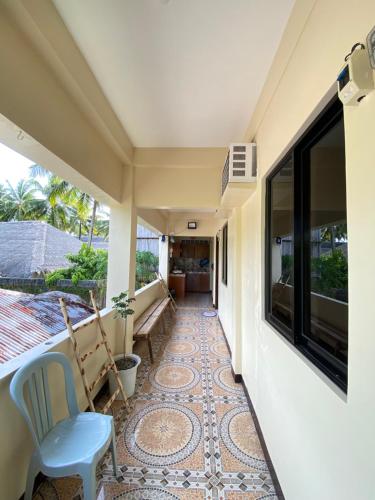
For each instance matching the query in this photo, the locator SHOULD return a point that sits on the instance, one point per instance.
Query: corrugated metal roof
(27, 320)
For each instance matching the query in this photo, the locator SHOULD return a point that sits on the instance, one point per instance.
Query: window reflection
(329, 244)
(282, 290)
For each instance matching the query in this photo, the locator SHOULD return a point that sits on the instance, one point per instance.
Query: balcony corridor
(190, 433)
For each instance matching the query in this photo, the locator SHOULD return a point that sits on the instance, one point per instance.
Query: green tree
(146, 266)
(20, 202)
(87, 264)
(331, 273)
(67, 207)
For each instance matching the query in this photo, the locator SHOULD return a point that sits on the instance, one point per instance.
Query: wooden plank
(90, 353)
(81, 327)
(100, 375)
(161, 308)
(109, 352)
(145, 316)
(76, 352)
(111, 400)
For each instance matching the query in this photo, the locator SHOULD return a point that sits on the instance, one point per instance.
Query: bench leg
(150, 349)
(165, 326)
(170, 309)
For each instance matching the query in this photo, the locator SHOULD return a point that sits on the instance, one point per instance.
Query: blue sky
(13, 166)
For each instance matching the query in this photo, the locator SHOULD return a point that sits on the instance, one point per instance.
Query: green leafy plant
(121, 304)
(87, 264)
(331, 273)
(146, 265)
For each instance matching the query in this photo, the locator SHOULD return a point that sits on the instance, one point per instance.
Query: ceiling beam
(179, 157)
(46, 31)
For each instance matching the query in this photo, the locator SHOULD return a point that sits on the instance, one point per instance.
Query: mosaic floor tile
(162, 434)
(189, 433)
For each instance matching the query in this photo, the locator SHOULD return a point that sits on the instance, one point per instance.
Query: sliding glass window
(307, 246)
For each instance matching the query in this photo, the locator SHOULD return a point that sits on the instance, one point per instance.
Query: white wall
(321, 441)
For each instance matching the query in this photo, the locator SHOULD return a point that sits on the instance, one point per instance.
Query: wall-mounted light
(163, 238)
(192, 225)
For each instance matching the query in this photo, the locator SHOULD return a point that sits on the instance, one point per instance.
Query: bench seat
(146, 322)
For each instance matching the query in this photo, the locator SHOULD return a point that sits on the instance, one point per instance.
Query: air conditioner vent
(239, 148)
(240, 164)
(238, 156)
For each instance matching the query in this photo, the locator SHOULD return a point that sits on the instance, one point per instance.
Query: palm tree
(55, 207)
(2, 202)
(102, 228)
(20, 202)
(59, 194)
(66, 206)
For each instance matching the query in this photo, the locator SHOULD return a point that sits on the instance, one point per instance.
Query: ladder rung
(89, 353)
(101, 374)
(111, 400)
(78, 328)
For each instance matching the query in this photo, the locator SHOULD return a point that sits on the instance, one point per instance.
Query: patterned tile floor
(189, 433)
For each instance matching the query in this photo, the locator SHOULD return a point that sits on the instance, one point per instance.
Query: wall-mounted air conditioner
(240, 164)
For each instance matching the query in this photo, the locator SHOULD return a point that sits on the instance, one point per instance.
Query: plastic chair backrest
(34, 374)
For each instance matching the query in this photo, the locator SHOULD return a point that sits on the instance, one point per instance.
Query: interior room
(191, 265)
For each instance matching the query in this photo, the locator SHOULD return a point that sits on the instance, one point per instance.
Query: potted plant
(127, 364)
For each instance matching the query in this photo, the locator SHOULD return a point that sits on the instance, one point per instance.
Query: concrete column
(164, 258)
(122, 254)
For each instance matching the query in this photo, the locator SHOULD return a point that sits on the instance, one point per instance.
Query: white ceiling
(179, 73)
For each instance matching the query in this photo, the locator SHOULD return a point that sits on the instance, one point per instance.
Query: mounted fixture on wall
(192, 225)
(356, 78)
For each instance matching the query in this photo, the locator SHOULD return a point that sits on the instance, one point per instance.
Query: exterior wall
(321, 440)
(185, 188)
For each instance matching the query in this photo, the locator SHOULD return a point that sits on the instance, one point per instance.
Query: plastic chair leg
(89, 482)
(31, 475)
(114, 457)
(113, 450)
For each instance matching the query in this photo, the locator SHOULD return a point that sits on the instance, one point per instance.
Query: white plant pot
(127, 377)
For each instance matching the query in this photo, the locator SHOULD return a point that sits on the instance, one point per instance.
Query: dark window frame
(224, 255)
(332, 367)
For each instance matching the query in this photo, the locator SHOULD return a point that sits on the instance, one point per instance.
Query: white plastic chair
(73, 445)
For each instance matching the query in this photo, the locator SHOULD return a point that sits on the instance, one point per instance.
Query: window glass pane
(329, 244)
(281, 245)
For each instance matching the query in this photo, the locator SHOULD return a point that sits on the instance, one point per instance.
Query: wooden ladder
(109, 364)
(166, 290)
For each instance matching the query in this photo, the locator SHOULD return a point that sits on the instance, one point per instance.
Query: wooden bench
(145, 323)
